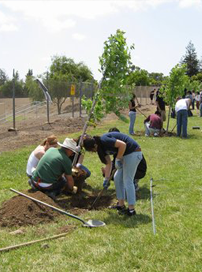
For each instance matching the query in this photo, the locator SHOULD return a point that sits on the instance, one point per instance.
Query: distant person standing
(193, 99)
(132, 113)
(197, 99)
(181, 108)
(152, 95)
(161, 105)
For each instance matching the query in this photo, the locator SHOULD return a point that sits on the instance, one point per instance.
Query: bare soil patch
(33, 132)
(20, 211)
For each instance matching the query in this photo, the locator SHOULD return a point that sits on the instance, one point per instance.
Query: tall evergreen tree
(191, 60)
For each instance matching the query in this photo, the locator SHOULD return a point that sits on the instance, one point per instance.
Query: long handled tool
(89, 223)
(152, 206)
(102, 191)
(141, 112)
(87, 122)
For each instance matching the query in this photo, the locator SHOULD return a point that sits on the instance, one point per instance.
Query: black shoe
(32, 185)
(127, 212)
(130, 212)
(117, 207)
(51, 195)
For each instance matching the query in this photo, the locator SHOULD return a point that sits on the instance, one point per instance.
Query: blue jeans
(151, 131)
(182, 118)
(132, 116)
(124, 177)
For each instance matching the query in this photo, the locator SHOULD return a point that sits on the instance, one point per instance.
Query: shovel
(89, 223)
(102, 191)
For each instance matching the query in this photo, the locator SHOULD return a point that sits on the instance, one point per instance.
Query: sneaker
(117, 207)
(127, 212)
(51, 195)
(32, 185)
(130, 212)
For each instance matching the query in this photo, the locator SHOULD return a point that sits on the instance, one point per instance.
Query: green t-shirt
(52, 165)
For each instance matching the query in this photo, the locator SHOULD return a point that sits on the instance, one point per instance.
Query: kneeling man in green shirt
(54, 170)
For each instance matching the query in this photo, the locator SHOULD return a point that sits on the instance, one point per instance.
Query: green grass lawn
(124, 244)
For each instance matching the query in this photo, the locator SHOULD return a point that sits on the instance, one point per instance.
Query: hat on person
(70, 144)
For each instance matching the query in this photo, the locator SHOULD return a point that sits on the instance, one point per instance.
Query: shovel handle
(48, 205)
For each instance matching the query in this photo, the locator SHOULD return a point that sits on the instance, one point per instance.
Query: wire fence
(72, 106)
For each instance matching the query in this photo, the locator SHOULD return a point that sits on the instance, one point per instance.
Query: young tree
(175, 85)
(115, 67)
(191, 60)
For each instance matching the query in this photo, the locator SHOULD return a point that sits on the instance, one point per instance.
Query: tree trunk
(168, 119)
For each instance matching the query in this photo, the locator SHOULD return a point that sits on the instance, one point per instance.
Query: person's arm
(188, 102)
(121, 148)
(70, 182)
(80, 160)
(147, 119)
(108, 167)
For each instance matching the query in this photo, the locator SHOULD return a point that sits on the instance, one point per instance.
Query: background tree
(3, 77)
(191, 60)
(63, 72)
(34, 92)
(139, 77)
(157, 79)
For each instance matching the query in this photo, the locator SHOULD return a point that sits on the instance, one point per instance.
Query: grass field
(124, 244)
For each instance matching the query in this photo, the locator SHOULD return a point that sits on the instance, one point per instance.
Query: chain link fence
(72, 107)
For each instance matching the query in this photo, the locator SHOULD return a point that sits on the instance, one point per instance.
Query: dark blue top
(108, 141)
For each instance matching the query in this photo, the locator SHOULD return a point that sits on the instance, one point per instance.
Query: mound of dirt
(20, 211)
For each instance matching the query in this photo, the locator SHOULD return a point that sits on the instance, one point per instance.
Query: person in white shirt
(181, 108)
(38, 153)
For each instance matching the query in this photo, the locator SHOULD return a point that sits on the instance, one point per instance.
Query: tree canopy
(115, 65)
(191, 60)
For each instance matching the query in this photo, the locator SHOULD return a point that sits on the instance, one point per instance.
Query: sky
(32, 32)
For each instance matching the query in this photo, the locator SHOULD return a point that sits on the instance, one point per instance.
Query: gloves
(106, 183)
(78, 149)
(118, 164)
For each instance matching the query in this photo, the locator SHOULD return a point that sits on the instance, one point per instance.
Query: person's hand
(106, 183)
(118, 164)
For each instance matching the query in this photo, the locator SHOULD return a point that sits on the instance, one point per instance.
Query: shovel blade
(94, 224)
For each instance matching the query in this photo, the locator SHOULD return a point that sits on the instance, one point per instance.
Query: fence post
(13, 99)
(80, 96)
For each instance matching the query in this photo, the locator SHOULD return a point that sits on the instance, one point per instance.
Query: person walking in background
(152, 96)
(161, 105)
(153, 124)
(38, 153)
(128, 156)
(181, 108)
(132, 113)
